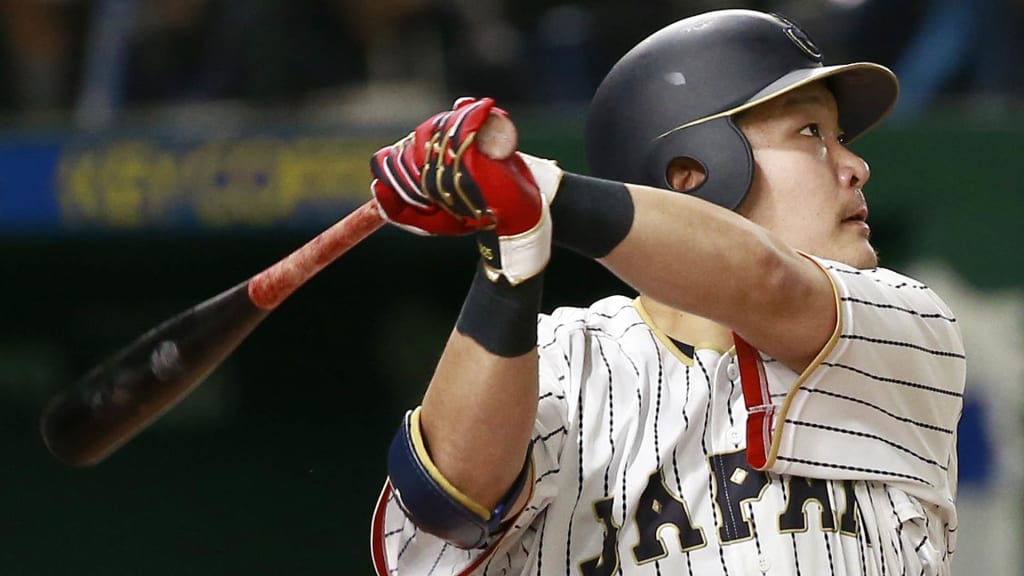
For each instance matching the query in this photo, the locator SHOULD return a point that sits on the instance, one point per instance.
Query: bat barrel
(120, 397)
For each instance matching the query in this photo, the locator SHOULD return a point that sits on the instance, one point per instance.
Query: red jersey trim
(758, 400)
(380, 561)
(764, 418)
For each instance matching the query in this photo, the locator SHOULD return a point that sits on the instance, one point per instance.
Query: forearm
(478, 413)
(478, 416)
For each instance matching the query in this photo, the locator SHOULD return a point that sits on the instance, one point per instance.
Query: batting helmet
(675, 94)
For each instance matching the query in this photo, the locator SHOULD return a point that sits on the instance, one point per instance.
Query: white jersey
(651, 461)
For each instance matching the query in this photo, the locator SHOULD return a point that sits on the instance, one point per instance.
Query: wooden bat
(130, 390)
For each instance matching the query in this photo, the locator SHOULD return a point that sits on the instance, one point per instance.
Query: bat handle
(273, 285)
(498, 138)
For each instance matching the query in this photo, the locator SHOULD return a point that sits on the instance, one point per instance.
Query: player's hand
(439, 180)
(396, 188)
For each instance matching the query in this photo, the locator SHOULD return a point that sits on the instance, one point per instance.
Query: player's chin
(855, 251)
(855, 246)
(863, 255)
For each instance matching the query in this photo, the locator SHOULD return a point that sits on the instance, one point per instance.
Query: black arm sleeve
(591, 216)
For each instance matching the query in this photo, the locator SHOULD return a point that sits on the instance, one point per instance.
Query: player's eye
(811, 129)
(842, 138)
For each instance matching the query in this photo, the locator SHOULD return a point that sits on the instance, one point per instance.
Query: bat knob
(498, 137)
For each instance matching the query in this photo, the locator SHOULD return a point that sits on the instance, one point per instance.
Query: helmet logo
(675, 78)
(801, 39)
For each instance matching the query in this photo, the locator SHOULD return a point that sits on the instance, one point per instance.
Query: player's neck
(689, 328)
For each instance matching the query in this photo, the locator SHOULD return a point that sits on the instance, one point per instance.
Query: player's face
(807, 183)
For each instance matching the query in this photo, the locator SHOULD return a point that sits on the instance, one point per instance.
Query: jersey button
(732, 372)
(764, 563)
(735, 436)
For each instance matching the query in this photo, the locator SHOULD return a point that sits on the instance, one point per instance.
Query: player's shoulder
(881, 284)
(883, 276)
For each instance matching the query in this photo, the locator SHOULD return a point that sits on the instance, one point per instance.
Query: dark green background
(273, 465)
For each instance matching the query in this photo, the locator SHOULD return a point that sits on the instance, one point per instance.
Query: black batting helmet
(675, 95)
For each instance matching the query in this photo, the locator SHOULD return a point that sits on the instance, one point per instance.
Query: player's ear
(685, 174)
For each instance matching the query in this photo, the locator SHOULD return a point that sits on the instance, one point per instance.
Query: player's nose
(853, 171)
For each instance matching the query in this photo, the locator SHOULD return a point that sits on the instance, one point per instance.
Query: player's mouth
(859, 218)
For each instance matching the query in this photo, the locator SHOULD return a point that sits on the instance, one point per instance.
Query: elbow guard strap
(431, 502)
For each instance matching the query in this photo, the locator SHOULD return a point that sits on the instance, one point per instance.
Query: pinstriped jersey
(651, 461)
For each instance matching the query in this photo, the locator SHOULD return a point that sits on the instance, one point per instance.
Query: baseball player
(772, 402)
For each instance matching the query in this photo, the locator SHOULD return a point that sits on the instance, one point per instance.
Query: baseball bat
(130, 390)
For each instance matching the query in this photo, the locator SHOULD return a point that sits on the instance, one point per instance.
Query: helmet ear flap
(720, 147)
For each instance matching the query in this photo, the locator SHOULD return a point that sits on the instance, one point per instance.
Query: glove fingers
(390, 171)
(406, 182)
(468, 119)
(430, 221)
(463, 101)
(445, 180)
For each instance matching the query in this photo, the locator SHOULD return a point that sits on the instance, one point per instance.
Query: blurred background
(156, 152)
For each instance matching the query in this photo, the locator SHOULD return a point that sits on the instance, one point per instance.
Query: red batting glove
(497, 196)
(396, 188)
(438, 181)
